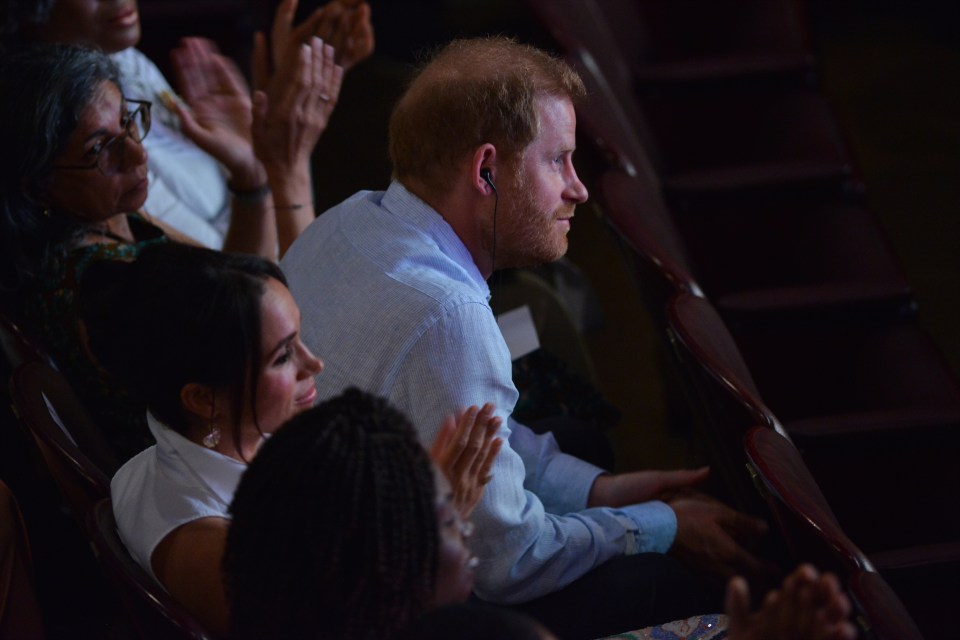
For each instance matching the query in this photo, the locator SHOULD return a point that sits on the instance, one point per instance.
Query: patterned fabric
(706, 627)
(53, 309)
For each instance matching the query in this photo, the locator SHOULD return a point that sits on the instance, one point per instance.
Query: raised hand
(293, 107)
(290, 111)
(344, 24)
(284, 35)
(710, 536)
(809, 606)
(219, 116)
(465, 450)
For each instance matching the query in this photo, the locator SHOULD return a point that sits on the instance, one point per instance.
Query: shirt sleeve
(533, 532)
(164, 205)
(562, 482)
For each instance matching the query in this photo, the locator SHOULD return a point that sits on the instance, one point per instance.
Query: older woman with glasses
(207, 178)
(74, 179)
(108, 157)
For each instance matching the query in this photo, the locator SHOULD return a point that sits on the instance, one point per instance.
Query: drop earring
(212, 439)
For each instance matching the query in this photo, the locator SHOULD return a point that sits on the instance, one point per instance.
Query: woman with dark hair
(211, 342)
(204, 172)
(343, 529)
(73, 177)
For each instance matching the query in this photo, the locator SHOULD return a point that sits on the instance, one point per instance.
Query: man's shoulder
(327, 228)
(359, 247)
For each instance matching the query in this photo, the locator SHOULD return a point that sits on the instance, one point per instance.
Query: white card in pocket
(519, 331)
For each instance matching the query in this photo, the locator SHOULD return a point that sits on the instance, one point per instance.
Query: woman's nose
(312, 365)
(134, 153)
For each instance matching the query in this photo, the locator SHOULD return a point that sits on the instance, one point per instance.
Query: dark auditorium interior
(790, 320)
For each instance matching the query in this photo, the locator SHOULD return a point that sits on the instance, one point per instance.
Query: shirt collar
(407, 206)
(219, 473)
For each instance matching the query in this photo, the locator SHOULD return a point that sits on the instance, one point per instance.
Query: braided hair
(334, 531)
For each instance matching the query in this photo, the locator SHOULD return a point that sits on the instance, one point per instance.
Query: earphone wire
(493, 250)
(485, 174)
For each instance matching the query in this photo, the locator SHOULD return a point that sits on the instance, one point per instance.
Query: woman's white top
(168, 485)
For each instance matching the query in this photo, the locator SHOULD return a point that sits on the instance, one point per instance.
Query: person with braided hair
(343, 528)
(210, 342)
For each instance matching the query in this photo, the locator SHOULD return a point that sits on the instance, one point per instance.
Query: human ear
(483, 169)
(199, 400)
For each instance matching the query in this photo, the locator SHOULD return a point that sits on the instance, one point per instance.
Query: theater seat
(17, 342)
(154, 613)
(864, 458)
(884, 614)
(68, 440)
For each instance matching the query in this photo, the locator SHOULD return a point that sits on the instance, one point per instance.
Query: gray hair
(44, 90)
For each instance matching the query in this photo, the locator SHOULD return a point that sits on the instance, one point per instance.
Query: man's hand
(709, 536)
(641, 486)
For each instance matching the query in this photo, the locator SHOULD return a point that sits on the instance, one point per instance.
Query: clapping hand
(346, 25)
(465, 449)
(343, 24)
(291, 109)
(293, 106)
(219, 116)
(808, 606)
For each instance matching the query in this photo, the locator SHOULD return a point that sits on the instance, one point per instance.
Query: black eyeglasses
(108, 158)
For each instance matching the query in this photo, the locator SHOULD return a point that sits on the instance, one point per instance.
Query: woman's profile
(210, 343)
(73, 181)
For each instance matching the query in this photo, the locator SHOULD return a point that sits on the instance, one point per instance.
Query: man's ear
(199, 400)
(484, 162)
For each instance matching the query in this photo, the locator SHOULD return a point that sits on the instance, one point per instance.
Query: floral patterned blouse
(53, 308)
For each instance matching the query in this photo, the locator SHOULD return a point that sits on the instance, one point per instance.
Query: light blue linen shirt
(393, 303)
